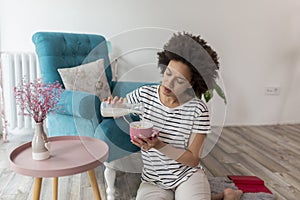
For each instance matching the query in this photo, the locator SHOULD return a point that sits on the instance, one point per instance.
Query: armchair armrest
(79, 104)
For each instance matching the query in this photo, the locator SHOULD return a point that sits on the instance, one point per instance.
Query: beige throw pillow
(88, 77)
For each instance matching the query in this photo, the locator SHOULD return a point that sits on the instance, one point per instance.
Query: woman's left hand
(147, 143)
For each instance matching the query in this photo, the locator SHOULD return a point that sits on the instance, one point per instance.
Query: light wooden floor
(269, 152)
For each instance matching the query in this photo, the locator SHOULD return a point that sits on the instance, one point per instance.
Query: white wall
(258, 43)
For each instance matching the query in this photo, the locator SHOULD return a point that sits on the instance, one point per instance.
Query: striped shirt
(175, 126)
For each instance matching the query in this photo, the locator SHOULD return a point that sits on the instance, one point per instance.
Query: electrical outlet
(272, 90)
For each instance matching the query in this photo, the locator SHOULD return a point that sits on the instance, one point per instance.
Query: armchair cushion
(89, 77)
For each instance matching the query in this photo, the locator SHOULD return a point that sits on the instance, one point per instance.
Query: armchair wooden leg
(94, 184)
(110, 176)
(37, 188)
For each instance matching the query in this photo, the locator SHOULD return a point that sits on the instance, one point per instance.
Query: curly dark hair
(197, 54)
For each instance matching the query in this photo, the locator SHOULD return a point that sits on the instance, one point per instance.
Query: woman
(171, 157)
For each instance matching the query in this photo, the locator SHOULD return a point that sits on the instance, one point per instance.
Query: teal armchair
(79, 112)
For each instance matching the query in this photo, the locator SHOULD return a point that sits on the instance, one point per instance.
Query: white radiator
(15, 67)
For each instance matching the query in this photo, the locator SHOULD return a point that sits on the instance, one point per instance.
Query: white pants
(195, 188)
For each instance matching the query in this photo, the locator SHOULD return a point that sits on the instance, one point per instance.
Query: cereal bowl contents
(141, 128)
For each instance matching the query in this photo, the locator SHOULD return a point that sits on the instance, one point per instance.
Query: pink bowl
(141, 128)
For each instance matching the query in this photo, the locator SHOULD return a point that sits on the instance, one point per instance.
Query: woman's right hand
(112, 100)
(115, 100)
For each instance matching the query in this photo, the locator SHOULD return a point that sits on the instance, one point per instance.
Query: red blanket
(249, 184)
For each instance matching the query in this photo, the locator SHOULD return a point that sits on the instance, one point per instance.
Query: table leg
(54, 188)
(94, 184)
(37, 188)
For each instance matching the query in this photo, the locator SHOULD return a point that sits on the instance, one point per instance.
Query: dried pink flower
(37, 99)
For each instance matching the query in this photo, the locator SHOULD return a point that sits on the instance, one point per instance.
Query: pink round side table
(69, 155)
